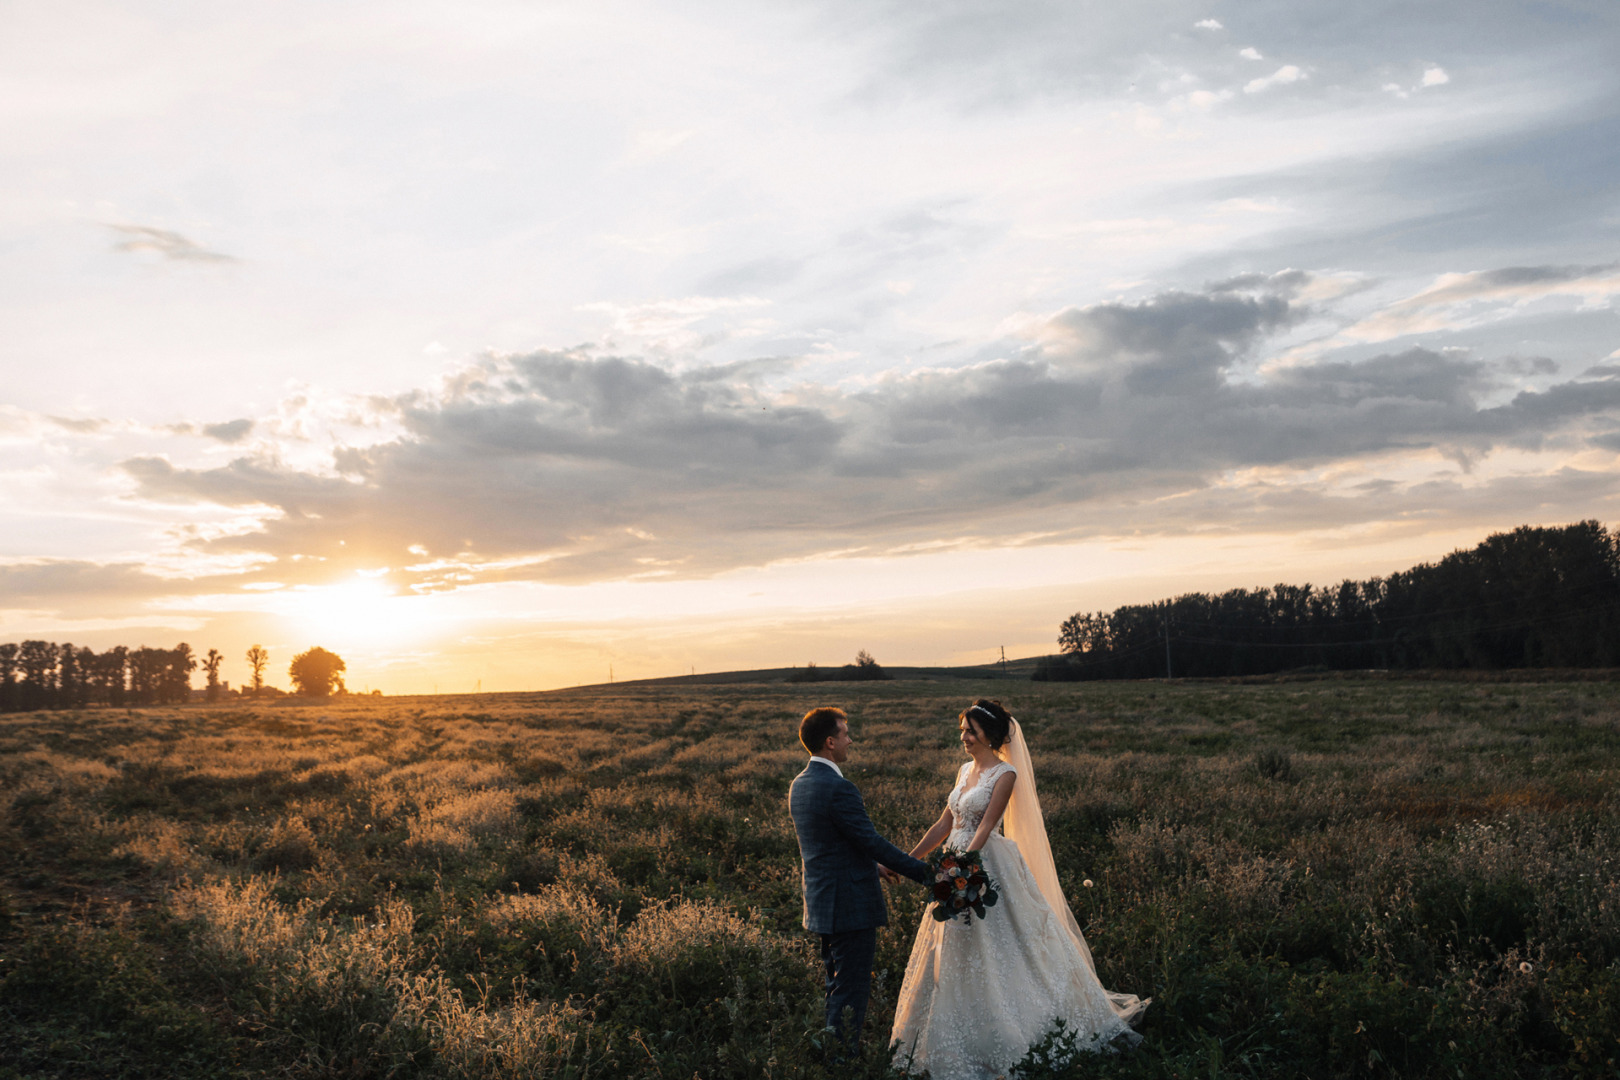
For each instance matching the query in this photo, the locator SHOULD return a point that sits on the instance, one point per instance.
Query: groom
(842, 852)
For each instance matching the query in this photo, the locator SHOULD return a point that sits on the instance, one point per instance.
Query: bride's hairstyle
(989, 717)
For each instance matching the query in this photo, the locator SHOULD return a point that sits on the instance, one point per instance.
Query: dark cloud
(1530, 365)
(1609, 440)
(46, 583)
(1545, 190)
(576, 466)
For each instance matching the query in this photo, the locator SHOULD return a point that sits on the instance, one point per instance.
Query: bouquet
(961, 887)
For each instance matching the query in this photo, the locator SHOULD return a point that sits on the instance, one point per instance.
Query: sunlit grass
(1338, 877)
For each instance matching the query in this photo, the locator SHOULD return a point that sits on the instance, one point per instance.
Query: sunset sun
(361, 613)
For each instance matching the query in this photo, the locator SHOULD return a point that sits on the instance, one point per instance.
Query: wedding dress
(978, 995)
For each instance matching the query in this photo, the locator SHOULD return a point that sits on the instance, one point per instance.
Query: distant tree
(808, 673)
(37, 659)
(87, 662)
(111, 667)
(317, 673)
(1533, 597)
(8, 677)
(210, 666)
(144, 668)
(177, 678)
(1082, 633)
(257, 658)
(70, 677)
(864, 669)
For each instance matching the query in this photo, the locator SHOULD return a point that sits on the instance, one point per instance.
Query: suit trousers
(848, 960)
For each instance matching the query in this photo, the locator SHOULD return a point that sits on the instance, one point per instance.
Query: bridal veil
(1023, 825)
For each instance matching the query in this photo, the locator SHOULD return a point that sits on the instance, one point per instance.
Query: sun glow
(362, 613)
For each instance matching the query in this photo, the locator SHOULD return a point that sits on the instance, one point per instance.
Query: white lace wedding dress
(978, 995)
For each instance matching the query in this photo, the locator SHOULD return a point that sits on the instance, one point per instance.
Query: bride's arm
(992, 813)
(931, 839)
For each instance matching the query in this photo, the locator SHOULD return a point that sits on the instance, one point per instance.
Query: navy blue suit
(843, 900)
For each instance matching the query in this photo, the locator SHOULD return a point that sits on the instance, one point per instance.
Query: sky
(505, 346)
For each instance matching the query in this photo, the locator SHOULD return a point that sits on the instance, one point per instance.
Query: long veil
(1024, 826)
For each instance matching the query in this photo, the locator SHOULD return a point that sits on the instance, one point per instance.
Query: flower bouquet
(961, 887)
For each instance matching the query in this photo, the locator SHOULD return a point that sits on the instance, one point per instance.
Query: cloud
(80, 425)
(579, 466)
(83, 586)
(998, 54)
(1435, 76)
(231, 431)
(170, 245)
(1461, 299)
(1251, 53)
(1288, 73)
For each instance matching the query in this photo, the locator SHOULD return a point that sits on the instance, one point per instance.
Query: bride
(977, 995)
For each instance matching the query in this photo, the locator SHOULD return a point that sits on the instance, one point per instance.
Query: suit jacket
(840, 850)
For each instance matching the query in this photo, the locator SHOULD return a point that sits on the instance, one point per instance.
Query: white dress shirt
(824, 761)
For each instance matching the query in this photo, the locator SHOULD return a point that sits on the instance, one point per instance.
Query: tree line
(45, 675)
(1533, 597)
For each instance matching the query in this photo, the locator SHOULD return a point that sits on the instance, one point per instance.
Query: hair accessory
(981, 709)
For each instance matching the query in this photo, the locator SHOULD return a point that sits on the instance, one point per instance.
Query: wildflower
(1526, 967)
(1086, 883)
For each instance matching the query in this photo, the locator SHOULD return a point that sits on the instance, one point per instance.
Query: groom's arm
(849, 815)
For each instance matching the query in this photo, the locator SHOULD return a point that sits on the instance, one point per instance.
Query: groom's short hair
(818, 726)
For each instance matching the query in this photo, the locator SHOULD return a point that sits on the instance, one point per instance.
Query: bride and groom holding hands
(976, 994)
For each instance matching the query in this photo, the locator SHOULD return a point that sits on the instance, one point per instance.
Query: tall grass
(1330, 878)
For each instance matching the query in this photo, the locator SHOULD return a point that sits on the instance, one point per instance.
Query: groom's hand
(887, 874)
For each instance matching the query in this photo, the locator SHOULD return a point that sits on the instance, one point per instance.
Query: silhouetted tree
(37, 689)
(63, 676)
(1533, 597)
(865, 668)
(160, 676)
(257, 658)
(8, 677)
(177, 675)
(210, 666)
(70, 677)
(316, 672)
(110, 675)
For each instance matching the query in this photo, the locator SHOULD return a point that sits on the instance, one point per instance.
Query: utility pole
(1004, 661)
(610, 673)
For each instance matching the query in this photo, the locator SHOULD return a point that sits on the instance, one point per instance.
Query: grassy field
(1322, 878)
